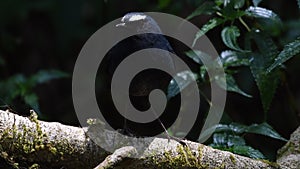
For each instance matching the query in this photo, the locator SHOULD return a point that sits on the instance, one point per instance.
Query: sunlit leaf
(232, 58)
(289, 50)
(212, 23)
(206, 8)
(222, 128)
(237, 128)
(259, 12)
(264, 129)
(228, 140)
(229, 36)
(220, 139)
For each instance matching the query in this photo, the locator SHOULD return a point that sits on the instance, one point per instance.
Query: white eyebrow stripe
(122, 20)
(136, 17)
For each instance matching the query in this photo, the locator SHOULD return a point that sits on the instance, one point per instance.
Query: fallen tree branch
(26, 141)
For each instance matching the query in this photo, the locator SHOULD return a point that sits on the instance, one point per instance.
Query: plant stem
(243, 22)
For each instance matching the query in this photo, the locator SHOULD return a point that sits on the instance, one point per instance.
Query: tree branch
(28, 141)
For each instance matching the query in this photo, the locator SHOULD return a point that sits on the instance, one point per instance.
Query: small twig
(244, 23)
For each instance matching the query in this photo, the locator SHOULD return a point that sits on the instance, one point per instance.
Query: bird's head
(139, 22)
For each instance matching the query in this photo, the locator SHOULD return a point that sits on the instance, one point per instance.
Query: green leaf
(231, 58)
(229, 36)
(206, 8)
(266, 19)
(12, 87)
(231, 85)
(230, 11)
(264, 129)
(256, 2)
(212, 23)
(235, 144)
(220, 139)
(298, 4)
(233, 140)
(222, 128)
(237, 128)
(235, 3)
(248, 151)
(44, 76)
(266, 82)
(198, 56)
(227, 140)
(179, 82)
(210, 64)
(203, 73)
(289, 50)
(259, 12)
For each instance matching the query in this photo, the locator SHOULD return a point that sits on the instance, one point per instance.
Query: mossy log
(31, 143)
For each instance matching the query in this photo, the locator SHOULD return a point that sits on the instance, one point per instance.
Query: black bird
(148, 36)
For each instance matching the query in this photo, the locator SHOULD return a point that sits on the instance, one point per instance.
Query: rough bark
(289, 154)
(26, 141)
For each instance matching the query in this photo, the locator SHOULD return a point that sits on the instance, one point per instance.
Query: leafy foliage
(19, 86)
(231, 138)
(229, 36)
(260, 53)
(231, 58)
(180, 81)
(290, 50)
(259, 12)
(205, 8)
(233, 87)
(235, 144)
(260, 61)
(205, 28)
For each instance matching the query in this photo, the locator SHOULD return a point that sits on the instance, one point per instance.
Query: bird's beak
(121, 25)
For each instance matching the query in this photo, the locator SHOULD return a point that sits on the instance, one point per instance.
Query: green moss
(34, 166)
(273, 164)
(184, 158)
(53, 150)
(232, 158)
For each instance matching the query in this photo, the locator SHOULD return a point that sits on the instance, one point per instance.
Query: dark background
(49, 34)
